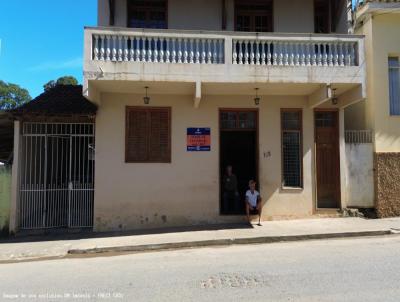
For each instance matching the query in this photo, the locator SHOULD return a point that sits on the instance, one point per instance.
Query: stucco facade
(380, 23)
(382, 41)
(191, 15)
(186, 191)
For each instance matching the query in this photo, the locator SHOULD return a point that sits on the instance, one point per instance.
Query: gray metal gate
(57, 175)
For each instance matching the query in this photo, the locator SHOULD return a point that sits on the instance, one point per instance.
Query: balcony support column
(197, 95)
(351, 97)
(320, 96)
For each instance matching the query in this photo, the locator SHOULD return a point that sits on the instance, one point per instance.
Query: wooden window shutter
(159, 146)
(148, 135)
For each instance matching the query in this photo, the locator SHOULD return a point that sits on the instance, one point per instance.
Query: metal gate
(57, 175)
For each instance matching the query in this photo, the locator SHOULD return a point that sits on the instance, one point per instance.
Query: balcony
(116, 54)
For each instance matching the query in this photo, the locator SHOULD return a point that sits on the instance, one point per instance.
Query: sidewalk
(27, 249)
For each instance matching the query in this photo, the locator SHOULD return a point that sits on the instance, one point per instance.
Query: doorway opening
(327, 159)
(239, 149)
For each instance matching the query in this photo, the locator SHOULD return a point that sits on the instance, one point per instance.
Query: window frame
(252, 14)
(143, 8)
(301, 153)
(148, 110)
(397, 102)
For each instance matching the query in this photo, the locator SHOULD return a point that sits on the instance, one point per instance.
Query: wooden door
(327, 159)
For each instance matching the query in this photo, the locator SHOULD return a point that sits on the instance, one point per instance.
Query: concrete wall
(195, 14)
(103, 13)
(5, 198)
(359, 175)
(382, 40)
(131, 196)
(294, 16)
(355, 116)
(342, 25)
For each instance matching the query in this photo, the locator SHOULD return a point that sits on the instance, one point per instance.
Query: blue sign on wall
(198, 139)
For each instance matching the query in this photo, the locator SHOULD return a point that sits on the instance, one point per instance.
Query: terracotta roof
(60, 100)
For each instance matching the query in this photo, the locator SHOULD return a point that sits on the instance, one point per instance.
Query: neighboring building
(379, 21)
(185, 88)
(53, 166)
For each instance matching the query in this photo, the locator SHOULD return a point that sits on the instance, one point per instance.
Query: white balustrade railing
(294, 53)
(224, 48)
(158, 49)
(358, 136)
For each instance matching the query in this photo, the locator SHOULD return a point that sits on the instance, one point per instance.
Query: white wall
(195, 14)
(103, 13)
(293, 16)
(342, 26)
(296, 16)
(354, 116)
(186, 191)
(121, 14)
(359, 175)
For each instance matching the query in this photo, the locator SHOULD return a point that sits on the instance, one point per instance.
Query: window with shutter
(148, 135)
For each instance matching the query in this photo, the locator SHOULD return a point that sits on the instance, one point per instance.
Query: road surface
(366, 269)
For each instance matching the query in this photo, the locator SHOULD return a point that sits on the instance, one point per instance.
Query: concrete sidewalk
(29, 249)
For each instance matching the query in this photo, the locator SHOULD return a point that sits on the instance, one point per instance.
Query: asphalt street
(365, 269)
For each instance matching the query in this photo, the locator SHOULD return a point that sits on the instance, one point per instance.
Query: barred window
(394, 85)
(147, 14)
(148, 135)
(291, 128)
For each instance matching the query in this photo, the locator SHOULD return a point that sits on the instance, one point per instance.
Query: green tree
(12, 96)
(66, 80)
(49, 85)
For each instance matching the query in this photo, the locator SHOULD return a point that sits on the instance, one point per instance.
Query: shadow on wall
(5, 199)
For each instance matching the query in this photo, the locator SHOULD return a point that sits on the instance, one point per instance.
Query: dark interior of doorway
(238, 149)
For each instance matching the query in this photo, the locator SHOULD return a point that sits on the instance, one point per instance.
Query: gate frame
(16, 166)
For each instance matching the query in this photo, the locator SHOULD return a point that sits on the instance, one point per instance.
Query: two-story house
(186, 88)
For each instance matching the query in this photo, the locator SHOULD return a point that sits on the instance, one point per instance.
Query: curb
(223, 242)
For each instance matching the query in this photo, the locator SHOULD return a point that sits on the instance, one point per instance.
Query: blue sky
(42, 40)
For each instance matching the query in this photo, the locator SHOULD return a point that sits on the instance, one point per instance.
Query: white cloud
(69, 64)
